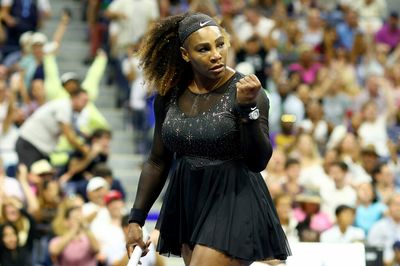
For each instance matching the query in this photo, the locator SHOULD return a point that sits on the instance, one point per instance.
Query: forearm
(31, 199)
(77, 166)
(94, 244)
(57, 248)
(94, 75)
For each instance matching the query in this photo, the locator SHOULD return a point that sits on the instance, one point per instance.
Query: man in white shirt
(343, 231)
(339, 192)
(40, 132)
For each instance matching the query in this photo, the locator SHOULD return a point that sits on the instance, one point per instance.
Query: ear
(185, 54)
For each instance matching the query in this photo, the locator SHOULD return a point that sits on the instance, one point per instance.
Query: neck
(201, 85)
(342, 228)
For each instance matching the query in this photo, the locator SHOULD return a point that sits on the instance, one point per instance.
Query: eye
(221, 45)
(202, 50)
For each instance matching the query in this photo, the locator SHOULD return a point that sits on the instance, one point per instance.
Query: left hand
(247, 89)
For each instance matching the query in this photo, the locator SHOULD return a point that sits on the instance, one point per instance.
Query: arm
(52, 81)
(152, 180)
(254, 136)
(57, 247)
(61, 29)
(6, 17)
(72, 138)
(78, 165)
(32, 201)
(94, 75)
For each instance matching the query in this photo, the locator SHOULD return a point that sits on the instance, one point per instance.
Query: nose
(215, 55)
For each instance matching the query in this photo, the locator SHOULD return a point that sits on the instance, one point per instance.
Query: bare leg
(205, 256)
(186, 254)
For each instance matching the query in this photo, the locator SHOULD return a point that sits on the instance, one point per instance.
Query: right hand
(135, 238)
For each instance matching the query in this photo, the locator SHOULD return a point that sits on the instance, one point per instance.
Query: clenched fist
(247, 89)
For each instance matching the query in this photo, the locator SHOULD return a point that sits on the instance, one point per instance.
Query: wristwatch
(254, 114)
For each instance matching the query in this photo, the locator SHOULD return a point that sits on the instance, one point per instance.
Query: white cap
(38, 38)
(42, 167)
(25, 38)
(68, 76)
(96, 183)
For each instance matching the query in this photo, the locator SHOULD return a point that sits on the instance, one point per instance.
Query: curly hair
(160, 56)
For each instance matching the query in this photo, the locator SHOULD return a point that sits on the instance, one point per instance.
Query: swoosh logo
(204, 23)
(253, 108)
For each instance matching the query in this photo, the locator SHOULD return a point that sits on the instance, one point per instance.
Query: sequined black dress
(216, 196)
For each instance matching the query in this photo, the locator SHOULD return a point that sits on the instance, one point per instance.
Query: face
(12, 214)
(393, 22)
(305, 144)
(346, 218)
(74, 218)
(370, 112)
(394, 207)
(365, 192)
(51, 192)
(97, 196)
(10, 239)
(79, 102)
(38, 89)
(283, 207)
(293, 171)
(37, 50)
(115, 208)
(206, 50)
(71, 86)
(337, 174)
(104, 142)
(3, 90)
(386, 175)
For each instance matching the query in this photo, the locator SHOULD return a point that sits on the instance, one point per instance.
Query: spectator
(292, 186)
(105, 172)
(313, 31)
(396, 249)
(40, 133)
(386, 231)
(96, 189)
(11, 254)
(383, 180)
(283, 203)
(347, 30)
(389, 33)
(369, 210)
(77, 246)
(343, 231)
(339, 192)
(371, 12)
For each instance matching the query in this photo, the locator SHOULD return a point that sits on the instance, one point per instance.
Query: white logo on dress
(204, 23)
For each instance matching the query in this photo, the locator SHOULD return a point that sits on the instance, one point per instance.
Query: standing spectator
(40, 133)
(343, 231)
(20, 16)
(347, 30)
(386, 231)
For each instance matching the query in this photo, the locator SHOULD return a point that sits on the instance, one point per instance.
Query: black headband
(193, 23)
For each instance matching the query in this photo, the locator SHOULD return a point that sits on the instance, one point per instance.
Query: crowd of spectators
(331, 70)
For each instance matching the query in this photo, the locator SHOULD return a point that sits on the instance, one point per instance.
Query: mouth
(217, 68)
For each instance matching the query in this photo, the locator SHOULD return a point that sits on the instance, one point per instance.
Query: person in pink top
(307, 66)
(77, 246)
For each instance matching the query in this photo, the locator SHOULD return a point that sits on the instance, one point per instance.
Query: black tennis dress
(216, 196)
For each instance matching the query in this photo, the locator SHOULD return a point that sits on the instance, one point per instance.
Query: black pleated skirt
(221, 205)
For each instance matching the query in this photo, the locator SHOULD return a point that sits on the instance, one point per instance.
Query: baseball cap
(38, 38)
(42, 167)
(112, 195)
(25, 38)
(95, 183)
(69, 76)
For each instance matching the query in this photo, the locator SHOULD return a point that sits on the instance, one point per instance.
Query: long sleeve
(157, 166)
(94, 75)
(254, 136)
(52, 83)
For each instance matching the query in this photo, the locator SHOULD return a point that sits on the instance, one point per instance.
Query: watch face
(254, 115)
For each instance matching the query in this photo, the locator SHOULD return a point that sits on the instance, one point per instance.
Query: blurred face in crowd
(104, 142)
(10, 239)
(385, 176)
(74, 218)
(71, 86)
(338, 175)
(11, 212)
(314, 111)
(352, 18)
(79, 101)
(115, 207)
(394, 207)
(345, 218)
(3, 90)
(306, 145)
(303, 93)
(38, 91)
(97, 196)
(3, 72)
(252, 16)
(314, 18)
(278, 160)
(37, 51)
(252, 46)
(284, 208)
(373, 85)
(370, 112)
(393, 22)
(293, 172)
(330, 157)
(51, 191)
(365, 193)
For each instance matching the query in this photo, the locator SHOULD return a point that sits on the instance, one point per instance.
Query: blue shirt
(366, 217)
(346, 35)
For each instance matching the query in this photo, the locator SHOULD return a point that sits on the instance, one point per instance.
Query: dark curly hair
(160, 56)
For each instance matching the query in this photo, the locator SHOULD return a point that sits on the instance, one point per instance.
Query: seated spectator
(274, 173)
(307, 65)
(386, 231)
(77, 246)
(383, 180)
(80, 165)
(9, 186)
(347, 30)
(371, 12)
(339, 192)
(286, 138)
(105, 172)
(312, 221)
(292, 186)
(343, 231)
(389, 33)
(96, 189)
(396, 249)
(11, 254)
(369, 210)
(72, 201)
(41, 171)
(283, 203)
(112, 244)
